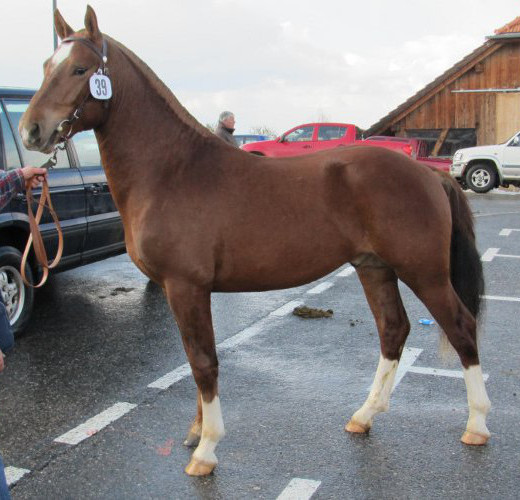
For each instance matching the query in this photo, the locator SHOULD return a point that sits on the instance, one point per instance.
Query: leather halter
(102, 54)
(35, 237)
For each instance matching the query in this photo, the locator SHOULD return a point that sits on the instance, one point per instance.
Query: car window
(12, 159)
(330, 133)
(15, 110)
(87, 149)
(300, 134)
(515, 142)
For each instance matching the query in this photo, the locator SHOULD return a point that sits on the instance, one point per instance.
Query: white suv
(482, 168)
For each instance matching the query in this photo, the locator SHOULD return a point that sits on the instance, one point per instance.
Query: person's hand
(34, 176)
(1, 361)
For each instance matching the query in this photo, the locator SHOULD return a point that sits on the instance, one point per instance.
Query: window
(330, 133)
(428, 136)
(15, 110)
(87, 149)
(458, 138)
(12, 160)
(300, 134)
(514, 141)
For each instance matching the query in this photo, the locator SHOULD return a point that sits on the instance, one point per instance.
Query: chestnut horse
(202, 216)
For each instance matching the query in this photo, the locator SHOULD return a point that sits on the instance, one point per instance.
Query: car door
(298, 141)
(104, 227)
(65, 186)
(329, 136)
(511, 158)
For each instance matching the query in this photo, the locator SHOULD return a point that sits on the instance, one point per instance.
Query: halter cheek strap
(103, 57)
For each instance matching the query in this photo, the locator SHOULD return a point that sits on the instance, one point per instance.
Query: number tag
(100, 86)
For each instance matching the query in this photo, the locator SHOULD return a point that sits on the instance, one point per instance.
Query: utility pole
(53, 30)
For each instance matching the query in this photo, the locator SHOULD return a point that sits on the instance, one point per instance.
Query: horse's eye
(80, 71)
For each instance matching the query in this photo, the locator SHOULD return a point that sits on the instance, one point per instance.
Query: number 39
(101, 87)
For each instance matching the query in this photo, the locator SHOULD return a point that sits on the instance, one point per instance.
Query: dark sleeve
(11, 182)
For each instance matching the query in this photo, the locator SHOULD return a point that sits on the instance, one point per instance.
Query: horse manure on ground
(311, 312)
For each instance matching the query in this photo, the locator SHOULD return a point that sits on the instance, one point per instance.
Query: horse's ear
(91, 24)
(63, 30)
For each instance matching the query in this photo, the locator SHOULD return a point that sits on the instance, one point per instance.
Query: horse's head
(64, 105)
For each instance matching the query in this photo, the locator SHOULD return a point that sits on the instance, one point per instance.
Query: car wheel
(17, 296)
(481, 178)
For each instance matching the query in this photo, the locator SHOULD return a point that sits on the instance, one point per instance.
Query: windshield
(517, 134)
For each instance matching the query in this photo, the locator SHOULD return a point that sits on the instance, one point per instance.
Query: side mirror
(516, 141)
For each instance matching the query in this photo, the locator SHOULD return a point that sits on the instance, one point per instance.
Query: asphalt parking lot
(96, 399)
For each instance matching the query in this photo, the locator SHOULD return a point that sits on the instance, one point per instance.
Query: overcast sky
(274, 63)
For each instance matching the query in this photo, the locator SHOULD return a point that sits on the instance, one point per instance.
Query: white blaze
(60, 55)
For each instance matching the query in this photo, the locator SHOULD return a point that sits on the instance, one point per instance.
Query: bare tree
(263, 130)
(322, 117)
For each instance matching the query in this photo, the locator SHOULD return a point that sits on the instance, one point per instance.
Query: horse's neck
(145, 127)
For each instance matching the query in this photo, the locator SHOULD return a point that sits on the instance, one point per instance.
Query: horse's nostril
(34, 133)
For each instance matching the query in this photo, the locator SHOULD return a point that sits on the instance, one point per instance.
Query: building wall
(494, 116)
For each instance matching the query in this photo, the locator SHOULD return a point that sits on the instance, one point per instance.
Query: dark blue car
(91, 224)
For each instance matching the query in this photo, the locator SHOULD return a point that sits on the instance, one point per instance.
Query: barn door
(508, 116)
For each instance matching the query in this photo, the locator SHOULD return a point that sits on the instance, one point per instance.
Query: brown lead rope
(35, 238)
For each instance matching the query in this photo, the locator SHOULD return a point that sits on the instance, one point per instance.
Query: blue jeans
(6, 333)
(4, 490)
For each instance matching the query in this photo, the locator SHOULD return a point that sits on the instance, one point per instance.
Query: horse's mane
(162, 90)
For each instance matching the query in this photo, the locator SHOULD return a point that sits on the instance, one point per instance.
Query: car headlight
(457, 156)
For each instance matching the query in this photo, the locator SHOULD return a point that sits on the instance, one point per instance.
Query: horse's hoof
(473, 439)
(192, 440)
(356, 427)
(199, 468)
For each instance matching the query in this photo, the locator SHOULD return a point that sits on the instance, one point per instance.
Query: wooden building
(475, 102)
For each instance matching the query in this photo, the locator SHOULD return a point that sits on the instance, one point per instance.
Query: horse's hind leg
(192, 308)
(380, 285)
(460, 328)
(193, 437)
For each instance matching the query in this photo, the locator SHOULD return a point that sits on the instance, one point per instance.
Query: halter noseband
(102, 54)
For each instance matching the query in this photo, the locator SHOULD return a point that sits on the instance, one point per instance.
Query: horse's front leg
(192, 307)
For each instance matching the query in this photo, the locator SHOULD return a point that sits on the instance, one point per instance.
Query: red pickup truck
(312, 137)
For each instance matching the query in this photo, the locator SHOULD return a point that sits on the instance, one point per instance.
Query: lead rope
(35, 237)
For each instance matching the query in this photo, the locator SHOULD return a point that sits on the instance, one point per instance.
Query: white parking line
(171, 377)
(410, 354)
(507, 232)
(184, 371)
(346, 272)
(497, 297)
(489, 254)
(299, 489)
(14, 474)
(95, 424)
(320, 288)
(439, 372)
(286, 308)
(408, 358)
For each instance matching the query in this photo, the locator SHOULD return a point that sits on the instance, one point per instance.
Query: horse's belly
(266, 269)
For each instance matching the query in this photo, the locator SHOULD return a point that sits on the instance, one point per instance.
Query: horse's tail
(467, 276)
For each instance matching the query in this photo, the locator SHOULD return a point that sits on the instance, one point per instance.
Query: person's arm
(16, 181)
